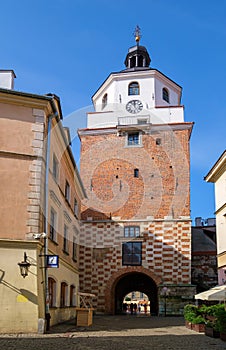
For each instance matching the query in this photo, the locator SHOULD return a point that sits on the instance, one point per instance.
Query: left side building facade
(41, 194)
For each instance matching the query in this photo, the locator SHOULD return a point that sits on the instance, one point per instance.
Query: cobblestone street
(116, 333)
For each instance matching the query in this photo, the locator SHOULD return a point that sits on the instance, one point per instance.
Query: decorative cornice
(54, 197)
(220, 209)
(20, 155)
(217, 170)
(21, 244)
(67, 217)
(148, 128)
(116, 221)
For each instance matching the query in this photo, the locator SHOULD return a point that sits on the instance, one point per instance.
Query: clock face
(134, 106)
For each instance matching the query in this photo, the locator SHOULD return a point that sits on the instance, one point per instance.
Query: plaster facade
(217, 175)
(28, 192)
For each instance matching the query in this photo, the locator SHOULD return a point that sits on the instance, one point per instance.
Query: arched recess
(131, 279)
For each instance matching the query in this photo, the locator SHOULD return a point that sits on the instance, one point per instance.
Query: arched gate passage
(136, 282)
(131, 279)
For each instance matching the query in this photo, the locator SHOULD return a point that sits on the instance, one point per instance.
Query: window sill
(64, 307)
(65, 252)
(131, 146)
(53, 241)
(56, 180)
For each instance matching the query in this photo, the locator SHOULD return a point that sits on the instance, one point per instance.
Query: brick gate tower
(136, 226)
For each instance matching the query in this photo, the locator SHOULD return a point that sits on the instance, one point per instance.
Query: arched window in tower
(165, 95)
(140, 61)
(134, 88)
(132, 62)
(104, 100)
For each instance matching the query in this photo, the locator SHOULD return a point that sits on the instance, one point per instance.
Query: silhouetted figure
(124, 307)
(131, 308)
(135, 308)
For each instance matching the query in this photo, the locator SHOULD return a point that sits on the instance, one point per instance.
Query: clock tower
(136, 171)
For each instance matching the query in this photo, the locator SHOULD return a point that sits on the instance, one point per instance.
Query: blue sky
(69, 47)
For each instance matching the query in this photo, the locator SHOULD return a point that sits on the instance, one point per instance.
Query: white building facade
(217, 175)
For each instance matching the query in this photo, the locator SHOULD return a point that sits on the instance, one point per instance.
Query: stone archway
(128, 279)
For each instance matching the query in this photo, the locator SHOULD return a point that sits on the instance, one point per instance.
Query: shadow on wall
(24, 292)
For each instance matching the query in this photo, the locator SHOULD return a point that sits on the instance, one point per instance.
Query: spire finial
(137, 34)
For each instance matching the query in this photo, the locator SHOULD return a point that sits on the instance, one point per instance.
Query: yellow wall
(19, 296)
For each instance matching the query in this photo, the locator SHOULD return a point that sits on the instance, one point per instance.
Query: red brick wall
(162, 189)
(158, 201)
(165, 253)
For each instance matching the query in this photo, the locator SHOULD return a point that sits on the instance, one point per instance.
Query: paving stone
(116, 333)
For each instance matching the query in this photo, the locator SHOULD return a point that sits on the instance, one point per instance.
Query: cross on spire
(137, 34)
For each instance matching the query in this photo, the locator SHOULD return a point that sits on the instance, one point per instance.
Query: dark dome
(137, 58)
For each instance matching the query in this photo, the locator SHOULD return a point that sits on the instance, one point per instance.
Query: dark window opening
(52, 292)
(74, 249)
(133, 62)
(65, 240)
(75, 207)
(104, 100)
(136, 172)
(140, 61)
(165, 95)
(55, 168)
(67, 191)
(132, 253)
(63, 294)
(52, 228)
(72, 296)
(158, 142)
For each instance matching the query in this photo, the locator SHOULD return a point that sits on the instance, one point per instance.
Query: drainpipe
(50, 118)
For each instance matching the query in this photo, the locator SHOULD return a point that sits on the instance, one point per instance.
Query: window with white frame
(134, 88)
(133, 138)
(53, 225)
(131, 231)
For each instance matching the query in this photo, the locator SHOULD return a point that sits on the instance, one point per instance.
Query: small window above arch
(104, 100)
(165, 95)
(134, 88)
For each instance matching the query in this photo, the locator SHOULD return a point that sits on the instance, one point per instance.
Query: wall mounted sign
(52, 260)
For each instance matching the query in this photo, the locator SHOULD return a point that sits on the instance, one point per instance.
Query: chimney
(198, 221)
(7, 79)
(211, 222)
